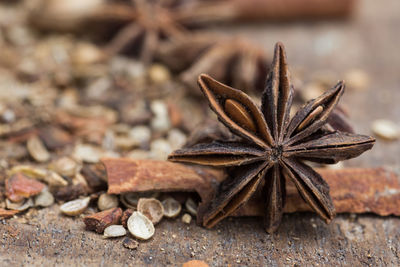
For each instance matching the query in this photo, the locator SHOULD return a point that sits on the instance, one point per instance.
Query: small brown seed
(172, 208)
(140, 226)
(37, 150)
(386, 129)
(44, 199)
(151, 208)
(191, 206)
(107, 201)
(114, 231)
(130, 243)
(75, 207)
(186, 218)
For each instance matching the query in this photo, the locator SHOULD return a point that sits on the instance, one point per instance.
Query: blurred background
(94, 78)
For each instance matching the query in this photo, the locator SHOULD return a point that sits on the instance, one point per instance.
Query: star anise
(234, 61)
(148, 22)
(271, 147)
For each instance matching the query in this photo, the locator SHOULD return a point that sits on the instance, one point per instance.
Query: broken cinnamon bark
(4, 214)
(18, 187)
(358, 190)
(129, 175)
(101, 220)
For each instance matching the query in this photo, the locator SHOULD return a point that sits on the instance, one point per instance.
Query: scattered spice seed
(55, 137)
(195, 263)
(186, 218)
(54, 179)
(130, 200)
(151, 208)
(386, 129)
(87, 153)
(114, 231)
(140, 226)
(125, 216)
(44, 199)
(101, 220)
(130, 243)
(65, 166)
(18, 187)
(107, 201)
(172, 208)
(20, 206)
(191, 206)
(37, 150)
(49, 177)
(75, 207)
(158, 73)
(141, 134)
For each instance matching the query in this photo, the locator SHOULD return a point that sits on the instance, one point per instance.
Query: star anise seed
(272, 146)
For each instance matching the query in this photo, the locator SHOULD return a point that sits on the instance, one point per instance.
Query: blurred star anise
(233, 61)
(148, 22)
(271, 146)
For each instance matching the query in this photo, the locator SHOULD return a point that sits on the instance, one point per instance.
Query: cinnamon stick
(355, 190)
(268, 10)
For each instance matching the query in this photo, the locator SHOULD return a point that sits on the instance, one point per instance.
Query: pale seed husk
(186, 218)
(107, 201)
(151, 208)
(87, 153)
(386, 129)
(75, 207)
(159, 73)
(44, 199)
(65, 166)
(37, 150)
(172, 208)
(130, 200)
(50, 177)
(191, 206)
(23, 205)
(140, 226)
(114, 231)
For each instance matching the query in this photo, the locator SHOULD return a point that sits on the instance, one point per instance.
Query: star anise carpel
(271, 147)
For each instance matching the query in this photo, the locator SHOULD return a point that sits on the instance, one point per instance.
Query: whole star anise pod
(234, 61)
(148, 22)
(271, 147)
